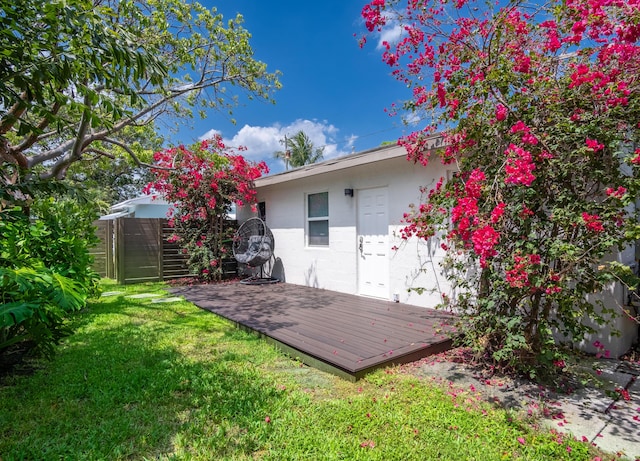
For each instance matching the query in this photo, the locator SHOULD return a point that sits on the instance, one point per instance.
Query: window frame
(310, 219)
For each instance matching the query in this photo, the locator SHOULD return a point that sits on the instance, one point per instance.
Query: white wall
(150, 210)
(619, 336)
(335, 267)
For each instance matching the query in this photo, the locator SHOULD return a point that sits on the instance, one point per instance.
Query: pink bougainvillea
(519, 167)
(593, 222)
(538, 113)
(202, 182)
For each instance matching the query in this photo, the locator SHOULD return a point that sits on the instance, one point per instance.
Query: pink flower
(529, 138)
(520, 127)
(442, 94)
(519, 166)
(624, 393)
(466, 207)
(501, 112)
(473, 187)
(594, 145)
(368, 444)
(518, 276)
(497, 212)
(616, 193)
(523, 65)
(521, 440)
(592, 222)
(484, 240)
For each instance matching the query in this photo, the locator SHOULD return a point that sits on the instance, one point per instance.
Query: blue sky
(333, 90)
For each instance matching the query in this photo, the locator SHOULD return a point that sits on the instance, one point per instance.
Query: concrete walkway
(605, 411)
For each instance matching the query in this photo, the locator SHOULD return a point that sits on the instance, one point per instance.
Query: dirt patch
(17, 360)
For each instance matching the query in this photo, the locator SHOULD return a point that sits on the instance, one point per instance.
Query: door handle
(360, 246)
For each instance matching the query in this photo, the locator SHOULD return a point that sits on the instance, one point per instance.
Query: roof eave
(348, 161)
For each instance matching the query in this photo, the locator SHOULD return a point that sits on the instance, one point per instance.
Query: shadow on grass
(129, 390)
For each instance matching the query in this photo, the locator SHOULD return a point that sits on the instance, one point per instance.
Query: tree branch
(33, 138)
(133, 155)
(100, 153)
(13, 115)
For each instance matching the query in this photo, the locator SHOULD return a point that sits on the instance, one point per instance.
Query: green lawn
(143, 380)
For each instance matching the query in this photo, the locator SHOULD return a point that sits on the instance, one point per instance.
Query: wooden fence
(133, 250)
(103, 257)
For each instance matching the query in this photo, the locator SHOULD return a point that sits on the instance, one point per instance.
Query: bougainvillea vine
(538, 105)
(202, 183)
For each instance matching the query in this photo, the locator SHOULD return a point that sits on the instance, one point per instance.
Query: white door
(373, 243)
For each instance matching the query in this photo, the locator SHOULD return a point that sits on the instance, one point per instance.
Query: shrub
(45, 270)
(540, 109)
(203, 182)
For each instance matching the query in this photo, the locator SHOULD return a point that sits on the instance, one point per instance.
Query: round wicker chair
(253, 245)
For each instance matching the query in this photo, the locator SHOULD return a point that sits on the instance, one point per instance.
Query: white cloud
(262, 142)
(391, 33)
(209, 134)
(351, 142)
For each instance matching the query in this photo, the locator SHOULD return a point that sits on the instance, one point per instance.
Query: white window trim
(308, 219)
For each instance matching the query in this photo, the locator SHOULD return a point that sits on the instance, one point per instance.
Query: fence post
(158, 223)
(120, 243)
(109, 250)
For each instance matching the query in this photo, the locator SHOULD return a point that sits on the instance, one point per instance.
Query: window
(318, 219)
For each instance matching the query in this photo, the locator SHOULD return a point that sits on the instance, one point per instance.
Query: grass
(142, 380)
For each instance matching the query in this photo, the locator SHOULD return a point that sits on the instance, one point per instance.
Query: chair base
(259, 280)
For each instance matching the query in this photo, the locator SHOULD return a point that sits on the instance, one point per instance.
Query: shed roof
(141, 200)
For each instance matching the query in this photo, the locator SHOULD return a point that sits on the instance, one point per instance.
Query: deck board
(351, 335)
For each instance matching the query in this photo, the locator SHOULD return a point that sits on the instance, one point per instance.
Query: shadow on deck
(343, 334)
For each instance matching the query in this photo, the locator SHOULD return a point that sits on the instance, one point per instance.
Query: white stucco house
(336, 226)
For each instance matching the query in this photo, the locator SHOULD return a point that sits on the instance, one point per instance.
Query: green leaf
(15, 313)
(66, 293)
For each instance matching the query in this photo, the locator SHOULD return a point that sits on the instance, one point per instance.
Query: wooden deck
(345, 334)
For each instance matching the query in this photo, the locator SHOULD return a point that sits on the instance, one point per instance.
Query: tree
(202, 182)
(86, 80)
(299, 151)
(540, 109)
(115, 176)
(75, 74)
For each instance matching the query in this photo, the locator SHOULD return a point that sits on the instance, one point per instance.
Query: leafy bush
(40, 301)
(70, 235)
(45, 270)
